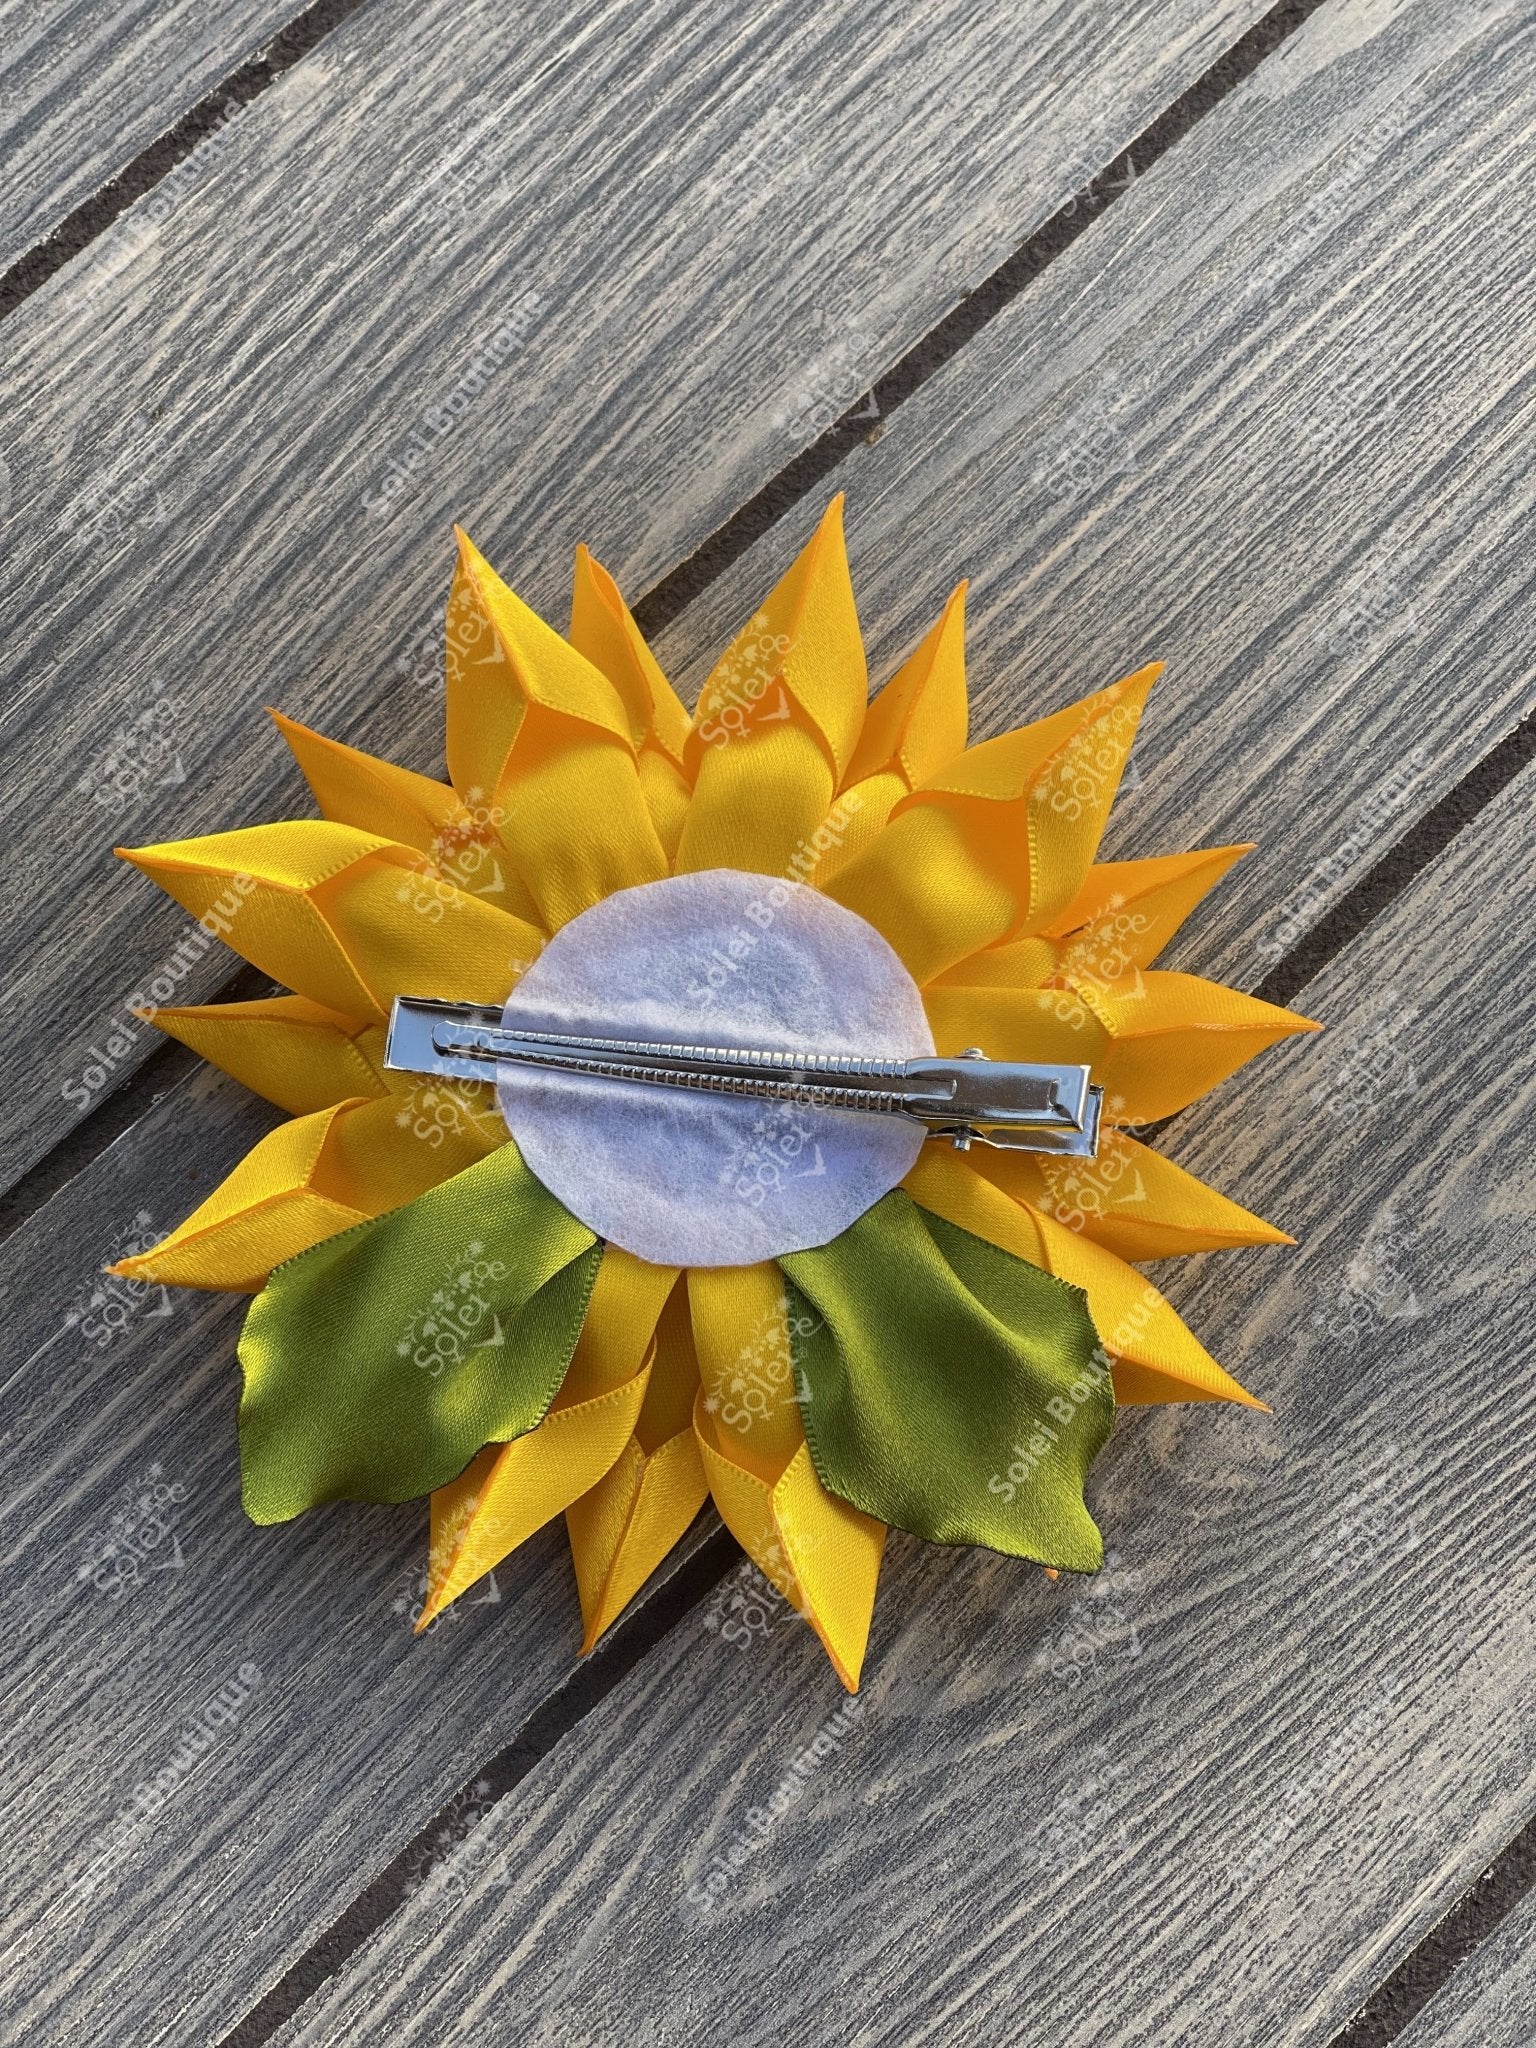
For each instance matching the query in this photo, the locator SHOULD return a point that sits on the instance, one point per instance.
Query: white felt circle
(687, 1179)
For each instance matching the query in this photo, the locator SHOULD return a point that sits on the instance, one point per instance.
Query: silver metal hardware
(971, 1100)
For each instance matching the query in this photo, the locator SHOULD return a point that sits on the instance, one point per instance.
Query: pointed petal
(997, 844)
(354, 788)
(546, 736)
(822, 1554)
(508, 1493)
(1157, 1357)
(1169, 1362)
(917, 724)
(623, 1528)
(1130, 1199)
(301, 1183)
(348, 919)
(603, 630)
(1174, 1037)
(1127, 910)
(1122, 917)
(1156, 1041)
(296, 1053)
(778, 719)
(912, 729)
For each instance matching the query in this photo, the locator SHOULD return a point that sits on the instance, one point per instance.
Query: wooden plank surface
(1490, 1999)
(352, 1737)
(86, 84)
(1211, 1797)
(722, 229)
(1175, 1845)
(132, 1595)
(1269, 422)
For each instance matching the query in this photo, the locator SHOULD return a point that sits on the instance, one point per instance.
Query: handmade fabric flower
(430, 1316)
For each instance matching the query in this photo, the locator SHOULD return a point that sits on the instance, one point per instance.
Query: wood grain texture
(729, 225)
(1218, 1796)
(277, 407)
(1490, 1999)
(1210, 1797)
(1271, 422)
(86, 84)
(132, 1593)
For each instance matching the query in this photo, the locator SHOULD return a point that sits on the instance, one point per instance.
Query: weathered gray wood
(1296, 1730)
(345, 1747)
(86, 84)
(731, 222)
(1270, 421)
(356, 1733)
(1214, 1796)
(1490, 1999)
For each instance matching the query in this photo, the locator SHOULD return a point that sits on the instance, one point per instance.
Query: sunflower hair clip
(736, 1106)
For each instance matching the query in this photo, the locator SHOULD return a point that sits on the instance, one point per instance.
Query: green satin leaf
(949, 1388)
(379, 1362)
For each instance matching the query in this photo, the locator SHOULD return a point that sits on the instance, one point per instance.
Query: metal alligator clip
(970, 1100)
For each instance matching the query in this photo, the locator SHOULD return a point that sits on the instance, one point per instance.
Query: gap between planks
(1414, 1982)
(1400, 1997)
(93, 216)
(165, 1068)
(1411, 1985)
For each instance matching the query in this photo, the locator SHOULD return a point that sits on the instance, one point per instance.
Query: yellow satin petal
(296, 1053)
(920, 885)
(301, 1183)
(381, 1155)
(950, 1186)
(1017, 1024)
(414, 933)
(1132, 1200)
(1173, 1037)
(629, 1522)
(667, 794)
(1158, 1358)
(745, 1365)
(856, 820)
(551, 733)
(269, 1209)
(917, 724)
(343, 917)
(913, 727)
(822, 1554)
(627, 1300)
(603, 630)
(835, 1552)
(758, 803)
(1122, 917)
(623, 1528)
(996, 845)
(1128, 910)
(512, 1489)
(1016, 964)
(354, 788)
(1156, 1041)
(1137, 1324)
(778, 719)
